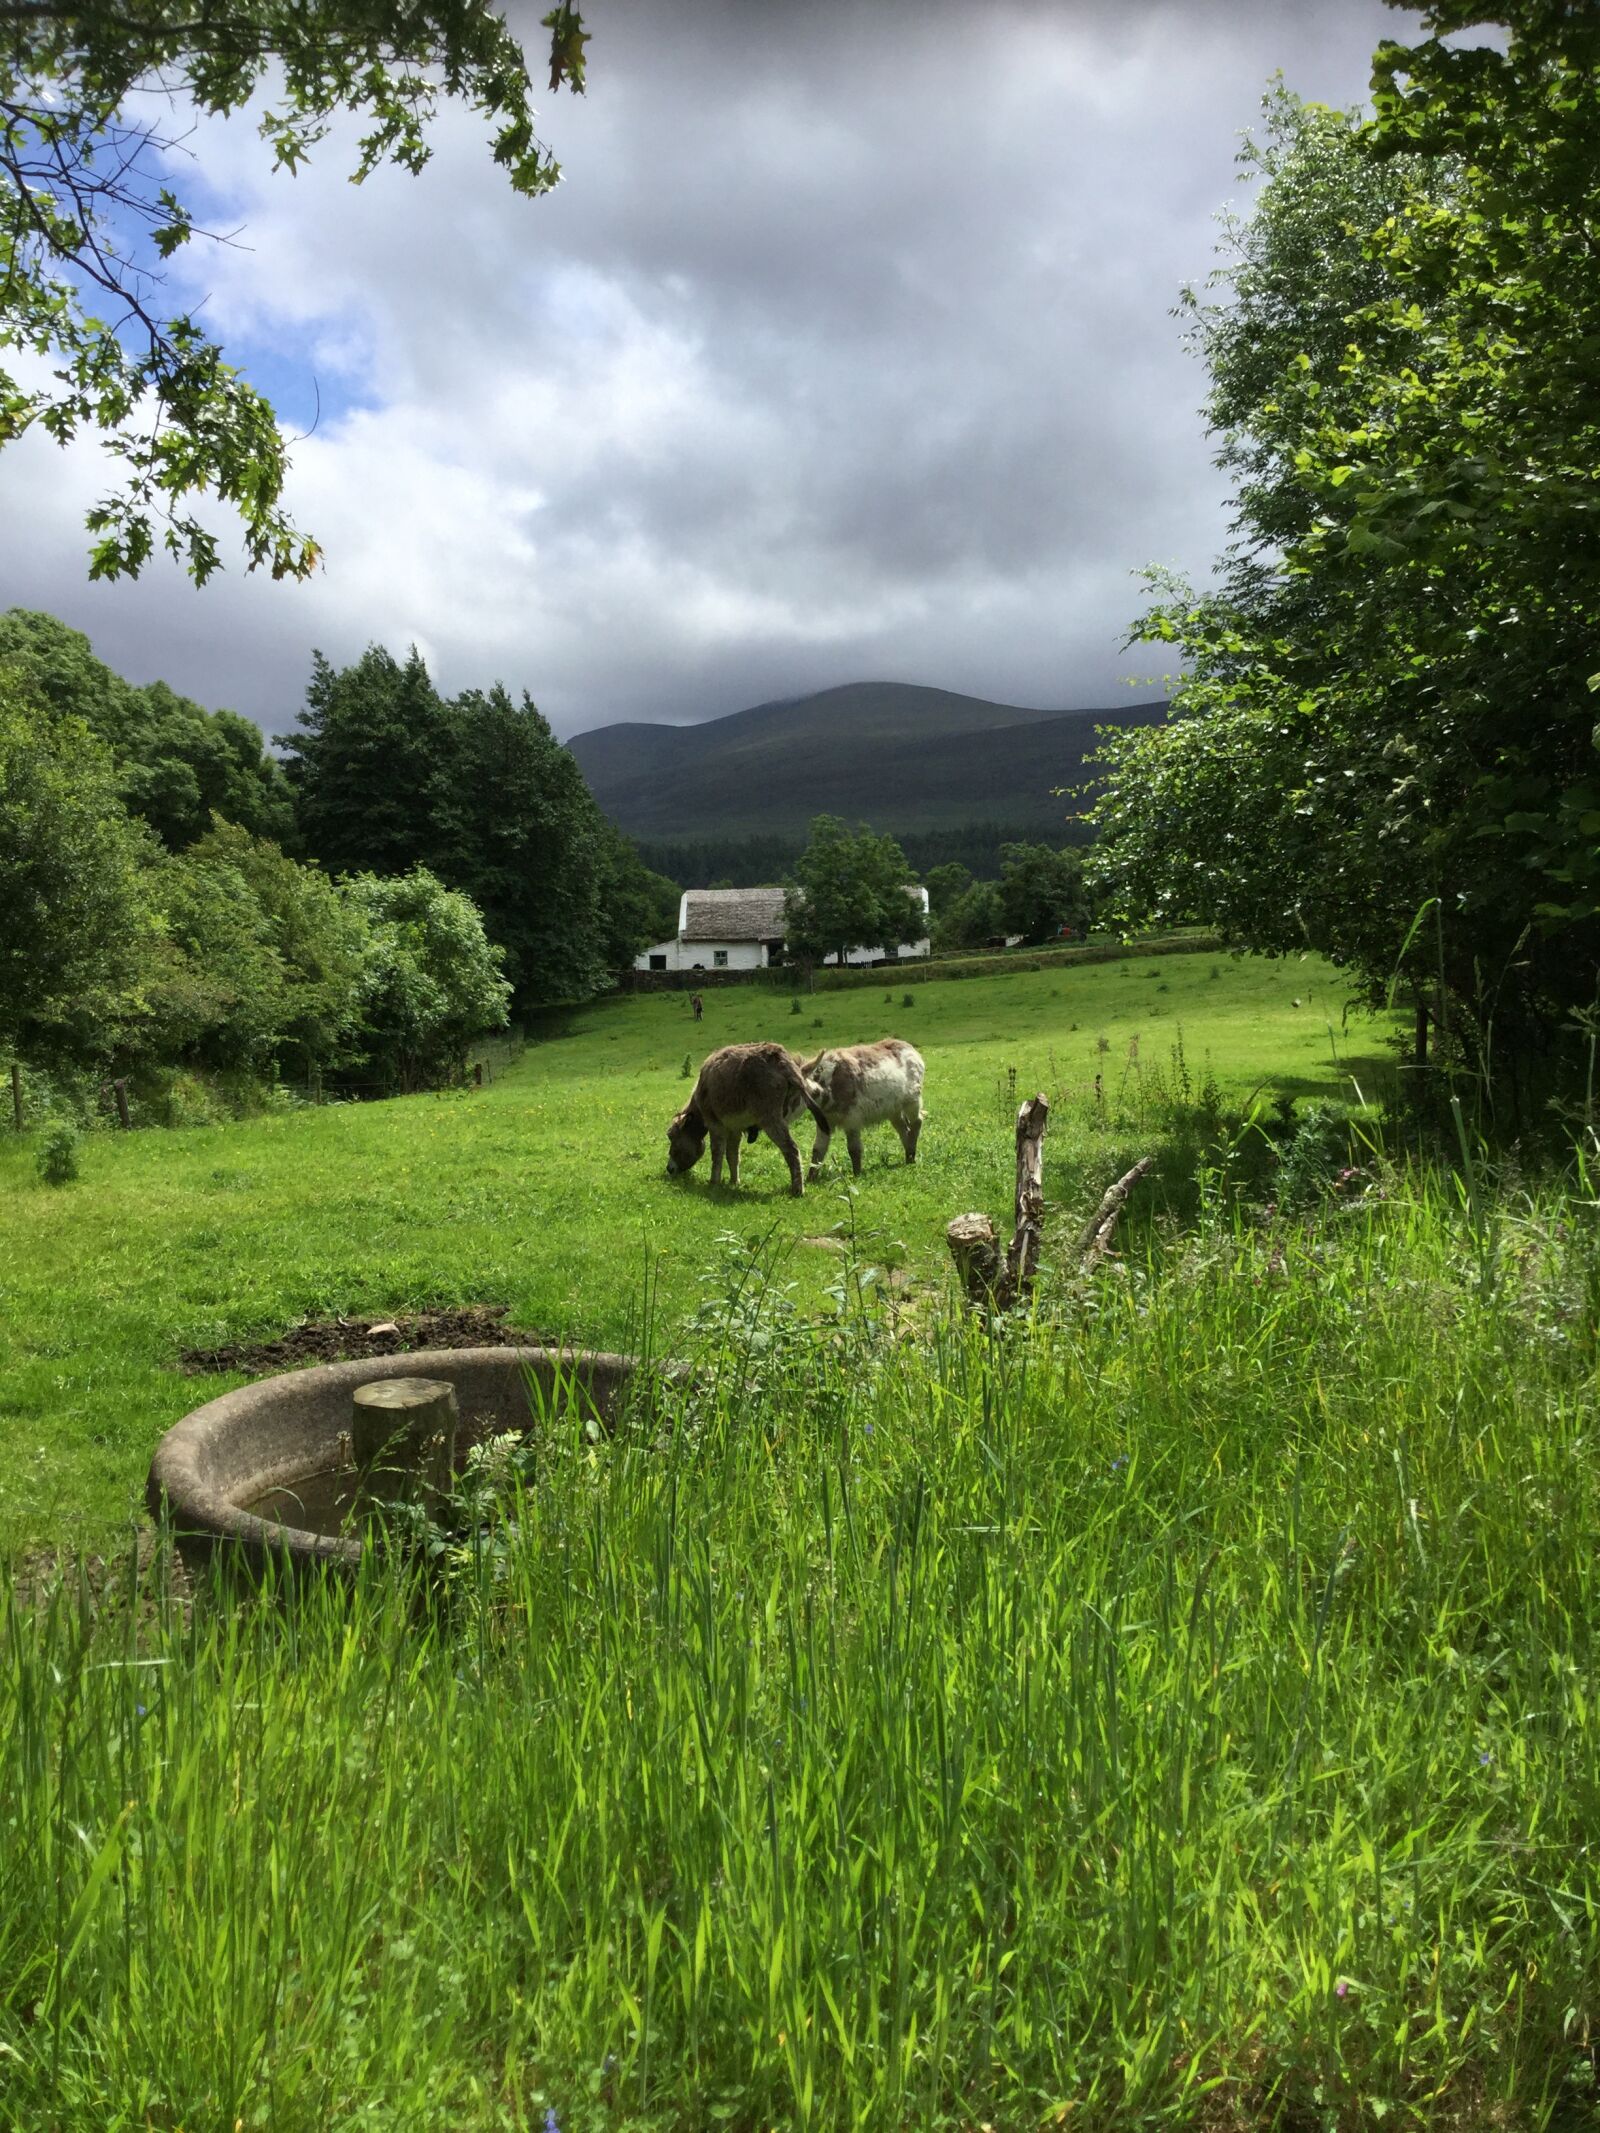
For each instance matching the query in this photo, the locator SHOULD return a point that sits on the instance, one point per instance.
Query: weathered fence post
(989, 1284)
(1023, 1257)
(16, 1095)
(120, 1091)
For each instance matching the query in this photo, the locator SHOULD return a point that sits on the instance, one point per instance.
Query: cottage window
(719, 958)
(658, 962)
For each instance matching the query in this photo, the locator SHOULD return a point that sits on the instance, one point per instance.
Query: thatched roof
(733, 915)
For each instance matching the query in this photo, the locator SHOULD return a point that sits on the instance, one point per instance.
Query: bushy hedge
(1002, 966)
(203, 978)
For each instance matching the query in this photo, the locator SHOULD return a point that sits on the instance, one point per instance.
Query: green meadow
(546, 1190)
(1179, 1708)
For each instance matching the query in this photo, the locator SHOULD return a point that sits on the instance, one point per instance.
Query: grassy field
(1178, 1710)
(546, 1191)
(1180, 1713)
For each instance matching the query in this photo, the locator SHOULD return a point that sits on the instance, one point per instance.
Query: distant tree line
(1040, 892)
(186, 912)
(387, 774)
(745, 862)
(848, 890)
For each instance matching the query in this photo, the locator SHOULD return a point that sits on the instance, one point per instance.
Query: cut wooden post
(119, 1089)
(1023, 1257)
(16, 1095)
(403, 1438)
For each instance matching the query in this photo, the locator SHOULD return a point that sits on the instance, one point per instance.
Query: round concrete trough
(283, 1430)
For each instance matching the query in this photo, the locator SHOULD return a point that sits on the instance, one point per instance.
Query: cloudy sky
(843, 352)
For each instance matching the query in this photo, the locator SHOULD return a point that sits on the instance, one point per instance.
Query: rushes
(1187, 1708)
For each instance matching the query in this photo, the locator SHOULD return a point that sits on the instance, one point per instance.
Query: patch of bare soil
(146, 1576)
(339, 1340)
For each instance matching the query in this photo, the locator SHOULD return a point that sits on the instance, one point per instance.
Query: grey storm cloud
(845, 351)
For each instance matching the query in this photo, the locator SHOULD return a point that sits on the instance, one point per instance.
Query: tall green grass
(1181, 1711)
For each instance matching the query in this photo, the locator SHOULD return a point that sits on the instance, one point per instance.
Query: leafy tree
(318, 938)
(946, 886)
(177, 764)
(215, 990)
(390, 775)
(637, 906)
(1388, 711)
(87, 215)
(78, 923)
(1041, 891)
(529, 846)
(430, 981)
(372, 766)
(973, 920)
(849, 892)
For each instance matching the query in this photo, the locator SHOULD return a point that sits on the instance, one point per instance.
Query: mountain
(905, 759)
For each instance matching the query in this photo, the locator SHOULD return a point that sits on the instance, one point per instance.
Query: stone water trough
(272, 1469)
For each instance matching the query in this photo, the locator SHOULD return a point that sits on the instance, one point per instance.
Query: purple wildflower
(1342, 1987)
(552, 2124)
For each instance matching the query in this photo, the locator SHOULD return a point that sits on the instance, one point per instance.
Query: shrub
(794, 1005)
(1315, 1153)
(58, 1154)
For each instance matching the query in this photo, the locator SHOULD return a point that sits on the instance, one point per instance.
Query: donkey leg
(852, 1141)
(735, 1142)
(819, 1148)
(716, 1155)
(782, 1138)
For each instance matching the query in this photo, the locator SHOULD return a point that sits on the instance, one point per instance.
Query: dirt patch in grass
(338, 1340)
(146, 1575)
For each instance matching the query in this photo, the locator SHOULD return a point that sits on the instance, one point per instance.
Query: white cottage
(743, 929)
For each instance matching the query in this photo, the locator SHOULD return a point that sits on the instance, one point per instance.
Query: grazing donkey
(864, 1085)
(744, 1088)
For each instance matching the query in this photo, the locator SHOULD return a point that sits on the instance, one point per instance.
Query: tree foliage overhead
(177, 763)
(1389, 706)
(87, 217)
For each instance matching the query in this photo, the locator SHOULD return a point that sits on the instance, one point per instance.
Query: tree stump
(403, 1438)
(977, 1256)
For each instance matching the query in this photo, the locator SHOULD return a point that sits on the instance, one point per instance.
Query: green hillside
(908, 759)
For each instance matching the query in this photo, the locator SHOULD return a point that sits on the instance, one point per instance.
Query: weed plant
(1180, 1709)
(57, 1159)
